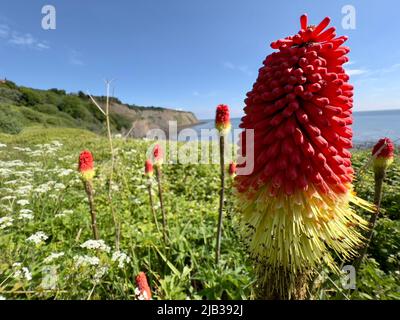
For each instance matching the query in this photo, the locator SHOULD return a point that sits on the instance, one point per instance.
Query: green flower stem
(221, 197)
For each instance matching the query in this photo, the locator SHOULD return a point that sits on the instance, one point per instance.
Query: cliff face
(145, 119)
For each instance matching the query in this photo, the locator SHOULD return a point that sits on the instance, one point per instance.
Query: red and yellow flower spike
(148, 168)
(383, 154)
(86, 165)
(142, 291)
(158, 155)
(295, 204)
(222, 119)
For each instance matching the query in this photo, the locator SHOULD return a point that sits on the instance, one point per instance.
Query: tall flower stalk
(106, 113)
(223, 125)
(86, 169)
(149, 173)
(383, 155)
(158, 161)
(295, 203)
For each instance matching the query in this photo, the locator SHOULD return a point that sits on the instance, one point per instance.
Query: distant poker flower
(142, 291)
(383, 154)
(232, 169)
(86, 166)
(223, 125)
(158, 155)
(148, 168)
(295, 203)
(86, 169)
(222, 119)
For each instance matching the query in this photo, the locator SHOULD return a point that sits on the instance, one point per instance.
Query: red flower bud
(148, 168)
(142, 290)
(158, 155)
(222, 119)
(383, 153)
(86, 166)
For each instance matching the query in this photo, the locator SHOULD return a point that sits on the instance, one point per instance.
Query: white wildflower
(2, 145)
(65, 172)
(23, 202)
(121, 258)
(86, 260)
(25, 211)
(53, 256)
(59, 186)
(21, 273)
(38, 237)
(96, 244)
(6, 222)
(140, 295)
(2, 297)
(25, 216)
(100, 273)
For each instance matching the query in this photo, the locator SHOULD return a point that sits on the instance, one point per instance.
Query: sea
(368, 126)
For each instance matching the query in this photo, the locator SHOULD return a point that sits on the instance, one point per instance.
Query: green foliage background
(185, 268)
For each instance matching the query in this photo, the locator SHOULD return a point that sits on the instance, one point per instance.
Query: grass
(42, 171)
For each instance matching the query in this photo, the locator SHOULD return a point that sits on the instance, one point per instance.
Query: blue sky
(187, 54)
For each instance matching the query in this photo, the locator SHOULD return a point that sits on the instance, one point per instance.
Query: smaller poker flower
(222, 119)
(86, 169)
(232, 169)
(142, 291)
(158, 155)
(148, 168)
(383, 154)
(86, 165)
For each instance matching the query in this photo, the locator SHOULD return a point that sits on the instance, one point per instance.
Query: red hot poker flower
(300, 109)
(86, 165)
(158, 155)
(222, 119)
(383, 153)
(142, 290)
(148, 168)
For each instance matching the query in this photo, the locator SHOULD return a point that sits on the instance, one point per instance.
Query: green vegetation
(22, 107)
(40, 191)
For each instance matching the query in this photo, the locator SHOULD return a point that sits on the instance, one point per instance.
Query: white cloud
(4, 31)
(355, 72)
(21, 39)
(244, 69)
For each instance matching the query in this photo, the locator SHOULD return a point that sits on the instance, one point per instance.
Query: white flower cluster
(96, 244)
(86, 260)
(140, 295)
(23, 202)
(21, 272)
(65, 172)
(2, 145)
(6, 222)
(37, 238)
(53, 256)
(121, 258)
